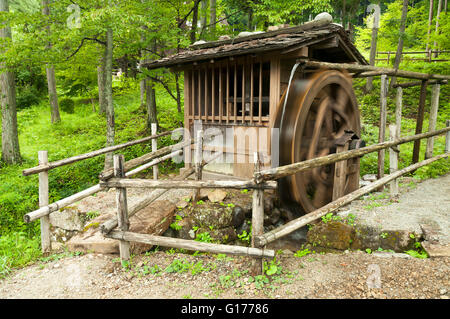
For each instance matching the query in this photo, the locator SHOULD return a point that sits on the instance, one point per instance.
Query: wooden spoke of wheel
(316, 115)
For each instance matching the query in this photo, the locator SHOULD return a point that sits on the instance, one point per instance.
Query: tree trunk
(101, 81)
(53, 96)
(430, 20)
(10, 138)
(203, 16)
(373, 51)
(437, 25)
(110, 127)
(151, 104)
(177, 83)
(193, 33)
(398, 55)
(142, 85)
(212, 16)
(51, 79)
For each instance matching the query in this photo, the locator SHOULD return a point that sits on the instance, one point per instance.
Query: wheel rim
(318, 111)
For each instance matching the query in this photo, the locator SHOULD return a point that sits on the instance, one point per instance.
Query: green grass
(369, 108)
(17, 250)
(78, 133)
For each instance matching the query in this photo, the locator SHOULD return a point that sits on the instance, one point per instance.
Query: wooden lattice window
(230, 92)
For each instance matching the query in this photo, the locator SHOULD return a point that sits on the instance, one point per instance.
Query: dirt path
(351, 275)
(165, 274)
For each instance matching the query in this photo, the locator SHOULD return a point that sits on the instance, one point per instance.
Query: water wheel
(320, 109)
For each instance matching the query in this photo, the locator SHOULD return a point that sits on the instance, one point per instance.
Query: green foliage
(302, 253)
(272, 267)
(17, 250)
(67, 105)
(182, 266)
(175, 224)
(204, 237)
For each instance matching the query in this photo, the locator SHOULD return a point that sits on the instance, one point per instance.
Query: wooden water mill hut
(239, 85)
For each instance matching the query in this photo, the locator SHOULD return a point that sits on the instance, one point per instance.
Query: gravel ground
(346, 275)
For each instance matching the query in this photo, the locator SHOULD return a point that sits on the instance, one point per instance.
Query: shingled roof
(282, 39)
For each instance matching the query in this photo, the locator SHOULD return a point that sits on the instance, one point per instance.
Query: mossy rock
(333, 234)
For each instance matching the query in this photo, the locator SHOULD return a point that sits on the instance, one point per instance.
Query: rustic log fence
(428, 55)
(118, 176)
(45, 208)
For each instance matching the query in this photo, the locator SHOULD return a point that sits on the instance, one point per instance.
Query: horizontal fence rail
(70, 160)
(283, 171)
(191, 244)
(167, 184)
(379, 70)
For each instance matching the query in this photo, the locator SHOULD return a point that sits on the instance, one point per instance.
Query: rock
(217, 196)
(93, 240)
(69, 218)
(199, 42)
(429, 233)
(238, 216)
(182, 204)
(224, 37)
(436, 250)
(286, 214)
(244, 34)
(332, 234)
(325, 16)
(268, 205)
(374, 238)
(275, 216)
(186, 227)
(244, 227)
(154, 219)
(369, 177)
(223, 235)
(217, 217)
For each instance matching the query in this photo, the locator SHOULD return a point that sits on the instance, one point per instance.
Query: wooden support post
(44, 201)
(398, 110)
(393, 160)
(433, 118)
(154, 149)
(447, 138)
(122, 207)
(419, 124)
(340, 174)
(198, 162)
(257, 217)
(382, 127)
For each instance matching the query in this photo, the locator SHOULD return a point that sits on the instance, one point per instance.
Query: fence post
(154, 149)
(122, 207)
(257, 217)
(433, 118)
(382, 127)
(420, 116)
(198, 162)
(398, 110)
(393, 160)
(447, 138)
(44, 201)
